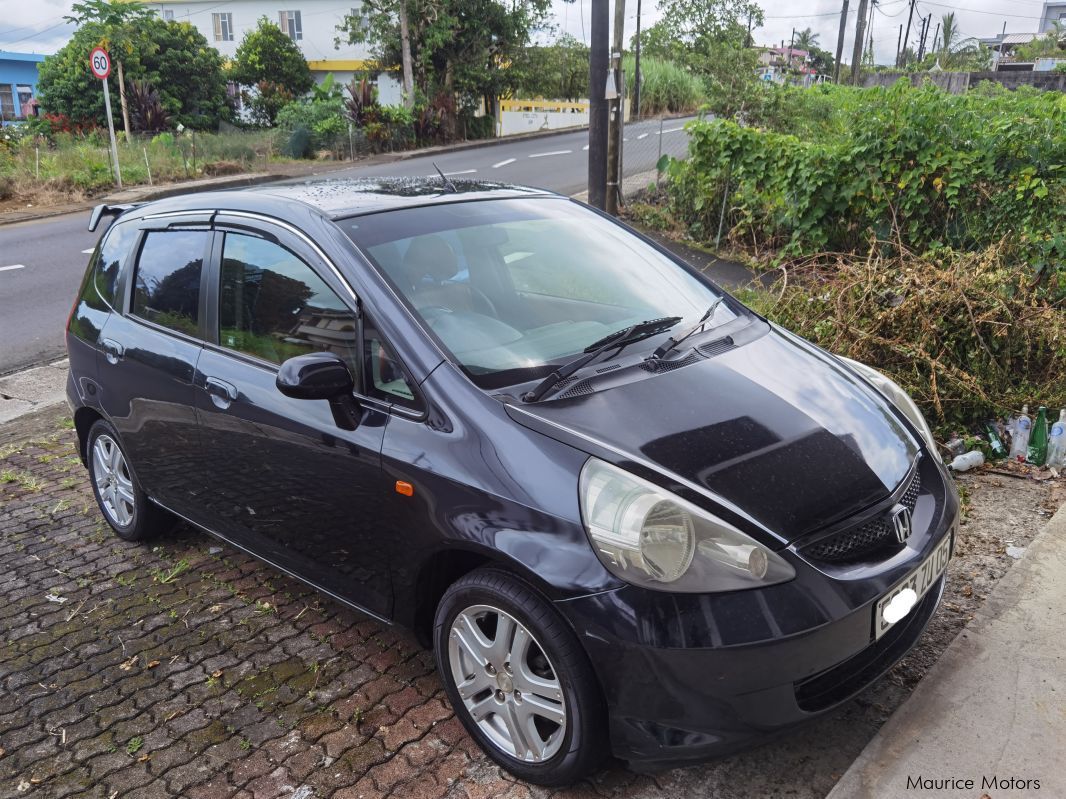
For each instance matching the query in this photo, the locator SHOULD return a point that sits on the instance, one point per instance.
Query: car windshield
(515, 287)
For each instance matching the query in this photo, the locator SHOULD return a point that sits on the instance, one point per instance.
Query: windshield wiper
(672, 342)
(619, 338)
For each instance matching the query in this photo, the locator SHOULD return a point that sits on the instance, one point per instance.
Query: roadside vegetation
(917, 231)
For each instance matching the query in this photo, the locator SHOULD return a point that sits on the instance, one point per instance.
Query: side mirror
(315, 376)
(322, 376)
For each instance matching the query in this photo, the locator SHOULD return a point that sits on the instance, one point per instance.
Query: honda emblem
(901, 523)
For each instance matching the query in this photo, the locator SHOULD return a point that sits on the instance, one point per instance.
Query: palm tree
(806, 39)
(949, 33)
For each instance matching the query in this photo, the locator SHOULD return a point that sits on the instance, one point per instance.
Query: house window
(291, 25)
(361, 19)
(25, 95)
(7, 102)
(168, 15)
(223, 24)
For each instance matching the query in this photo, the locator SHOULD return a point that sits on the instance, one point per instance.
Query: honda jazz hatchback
(630, 515)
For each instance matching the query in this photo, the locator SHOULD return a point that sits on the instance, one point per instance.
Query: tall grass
(665, 87)
(79, 166)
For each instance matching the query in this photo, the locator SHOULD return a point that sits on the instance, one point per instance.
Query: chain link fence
(644, 142)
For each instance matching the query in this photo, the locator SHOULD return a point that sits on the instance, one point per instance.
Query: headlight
(898, 397)
(650, 537)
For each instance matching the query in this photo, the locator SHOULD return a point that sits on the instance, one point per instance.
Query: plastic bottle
(1019, 445)
(963, 463)
(994, 442)
(955, 445)
(1056, 447)
(1037, 452)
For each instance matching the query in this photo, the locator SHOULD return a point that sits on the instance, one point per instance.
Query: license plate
(919, 581)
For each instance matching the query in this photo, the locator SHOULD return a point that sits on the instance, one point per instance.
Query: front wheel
(518, 679)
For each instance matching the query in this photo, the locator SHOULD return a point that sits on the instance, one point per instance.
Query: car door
(285, 481)
(150, 352)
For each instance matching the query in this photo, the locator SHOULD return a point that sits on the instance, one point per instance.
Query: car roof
(343, 197)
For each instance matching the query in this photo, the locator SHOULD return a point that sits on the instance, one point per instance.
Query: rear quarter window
(101, 289)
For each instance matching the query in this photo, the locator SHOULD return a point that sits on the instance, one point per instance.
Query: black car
(630, 515)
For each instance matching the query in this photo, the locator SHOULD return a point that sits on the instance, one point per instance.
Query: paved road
(42, 262)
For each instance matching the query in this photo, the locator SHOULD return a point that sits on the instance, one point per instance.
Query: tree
(807, 40)
(172, 57)
(117, 23)
(559, 71)
(269, 62)
(949, 33)
(460, 50)
(699, 23)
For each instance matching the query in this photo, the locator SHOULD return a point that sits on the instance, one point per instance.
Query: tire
(561, 705)
(122, 501)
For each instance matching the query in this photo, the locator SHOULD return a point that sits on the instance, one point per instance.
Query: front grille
(876, 534)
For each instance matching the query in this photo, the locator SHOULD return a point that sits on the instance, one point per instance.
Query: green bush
(921, 168)
(323, 119)
(665, 87)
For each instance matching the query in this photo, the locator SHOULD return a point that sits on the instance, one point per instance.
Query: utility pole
(598, 55)
(840, 41)
(899, 43)
(617, 112)
(860, 40)
(636, 67)
(906, 36)
(921, 39)
(932, 45)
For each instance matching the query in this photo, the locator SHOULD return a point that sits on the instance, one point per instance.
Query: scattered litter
(963, 463)
(955, 445)
(152, 664)
(303, 792)
(59, 600)
(1016, 552)
(23, 786)
(214, 551)
(129, 664)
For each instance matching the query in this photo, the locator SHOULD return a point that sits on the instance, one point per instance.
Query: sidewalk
(990, 717)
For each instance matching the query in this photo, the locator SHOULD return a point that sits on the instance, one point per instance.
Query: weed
(134, 745)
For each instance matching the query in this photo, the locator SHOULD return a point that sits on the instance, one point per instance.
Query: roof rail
(109, 210)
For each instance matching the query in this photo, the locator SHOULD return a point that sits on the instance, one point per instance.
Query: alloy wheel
(114, 485)
(507, 683)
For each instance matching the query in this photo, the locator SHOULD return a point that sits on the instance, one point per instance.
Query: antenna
(448, 185)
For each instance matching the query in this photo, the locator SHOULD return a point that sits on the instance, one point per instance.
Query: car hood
(775, 431)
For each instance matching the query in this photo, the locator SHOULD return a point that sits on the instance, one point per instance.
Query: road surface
(42, 262)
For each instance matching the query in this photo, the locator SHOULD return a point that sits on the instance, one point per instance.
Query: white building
(312, 24)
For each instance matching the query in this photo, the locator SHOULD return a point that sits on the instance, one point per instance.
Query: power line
(34, 35)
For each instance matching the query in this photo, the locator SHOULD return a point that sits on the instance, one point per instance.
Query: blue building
(18, 84)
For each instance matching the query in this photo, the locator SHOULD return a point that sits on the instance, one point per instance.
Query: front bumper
(692, 676)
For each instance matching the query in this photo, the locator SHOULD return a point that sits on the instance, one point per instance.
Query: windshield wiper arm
(619, 338)
(672, 342)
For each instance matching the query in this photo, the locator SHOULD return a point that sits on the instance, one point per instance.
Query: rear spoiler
(109, 210)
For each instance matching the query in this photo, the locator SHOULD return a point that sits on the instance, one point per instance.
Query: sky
(38, 27)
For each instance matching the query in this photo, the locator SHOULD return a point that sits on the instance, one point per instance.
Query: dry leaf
(144, 758)
(215, 609)
(129, 664)
(216, 674)
(152, 664)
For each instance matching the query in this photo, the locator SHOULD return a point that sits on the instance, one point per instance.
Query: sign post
(100, 65)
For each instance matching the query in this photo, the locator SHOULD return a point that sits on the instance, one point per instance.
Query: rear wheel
(124, 504)
(518, 679)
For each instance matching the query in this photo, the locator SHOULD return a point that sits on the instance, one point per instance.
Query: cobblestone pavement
(185, 668)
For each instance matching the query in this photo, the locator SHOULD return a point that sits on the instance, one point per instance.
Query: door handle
(113, 351)
(222, 393)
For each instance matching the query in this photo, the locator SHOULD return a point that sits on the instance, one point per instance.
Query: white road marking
(553, 152)
(89, 251)
(13, 266)
(672, 130)
(460, 172)
(585, 147)
(642, 136)
(503, 163)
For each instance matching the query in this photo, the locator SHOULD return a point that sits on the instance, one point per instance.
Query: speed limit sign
(100, 63)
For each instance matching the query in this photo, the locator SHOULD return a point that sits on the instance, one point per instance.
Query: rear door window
(113, 253)
(166, 289)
